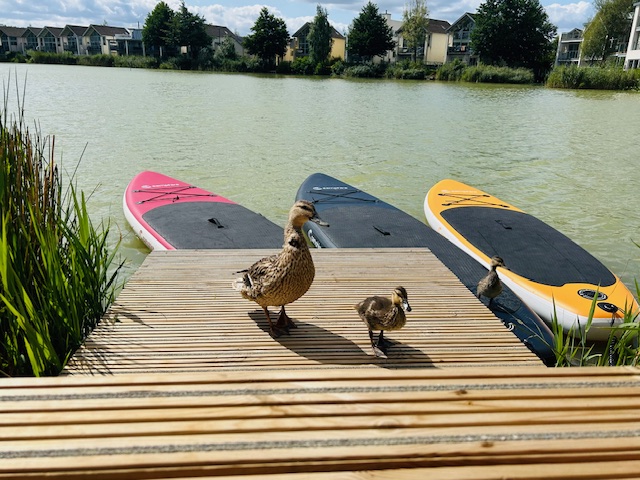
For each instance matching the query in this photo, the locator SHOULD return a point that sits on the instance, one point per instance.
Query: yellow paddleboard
(550, 272)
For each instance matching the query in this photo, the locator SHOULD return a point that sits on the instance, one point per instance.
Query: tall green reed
(58, 274)
(572, 348)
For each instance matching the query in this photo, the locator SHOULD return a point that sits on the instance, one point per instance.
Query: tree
(188, 30)
(369, 34)
(226, 49)
(156, 32)
(415, 18)
(513, 33)
(319, 37)
(269, 38)
(608, 29)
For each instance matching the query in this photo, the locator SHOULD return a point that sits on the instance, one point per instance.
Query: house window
(303, 46)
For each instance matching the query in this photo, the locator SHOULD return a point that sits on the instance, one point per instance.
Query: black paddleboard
(359, 220)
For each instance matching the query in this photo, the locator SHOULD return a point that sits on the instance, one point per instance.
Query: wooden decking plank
(179, 313)
(377, 421)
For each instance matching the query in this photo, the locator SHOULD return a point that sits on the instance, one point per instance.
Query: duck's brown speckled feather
(379, 313)
(280, 279)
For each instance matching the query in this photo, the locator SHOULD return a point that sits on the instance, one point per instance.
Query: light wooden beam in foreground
(178, 313)
(365, 423)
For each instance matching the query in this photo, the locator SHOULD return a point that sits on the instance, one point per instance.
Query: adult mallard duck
(283, 278)
(382, 313)
(490, 286)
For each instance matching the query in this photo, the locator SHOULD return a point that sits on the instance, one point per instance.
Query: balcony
(459, 50)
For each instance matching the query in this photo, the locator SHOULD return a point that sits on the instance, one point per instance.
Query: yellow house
(299, 46)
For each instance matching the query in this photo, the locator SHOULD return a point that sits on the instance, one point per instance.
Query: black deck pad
(213, 225)
(370, 226)
(528, 246)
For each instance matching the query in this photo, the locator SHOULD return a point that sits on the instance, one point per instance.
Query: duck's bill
(317, 220)
(406, 306)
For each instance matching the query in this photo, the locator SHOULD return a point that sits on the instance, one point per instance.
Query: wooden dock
(182, 380)
(178, 313)
(365, 423)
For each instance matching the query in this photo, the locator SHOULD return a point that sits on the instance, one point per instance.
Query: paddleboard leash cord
(161, 194)
(459, 200)
(344, 194)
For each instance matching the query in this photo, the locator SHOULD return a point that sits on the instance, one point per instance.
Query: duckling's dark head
(303, 211)
(399, 297)
(497, 262)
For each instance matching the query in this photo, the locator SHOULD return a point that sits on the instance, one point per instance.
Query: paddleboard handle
(216, 222)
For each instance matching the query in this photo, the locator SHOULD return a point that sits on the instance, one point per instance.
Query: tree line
(513, 33)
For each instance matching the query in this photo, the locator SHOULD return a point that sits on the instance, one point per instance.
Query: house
(434, 50)
(12, 39)
(632, 59)
(49, 40)
(391, 55)
(570, 48)
(459, 40)
(218, 35)
(101, 39)
(30, 37)
(299, 45)
(129, 43)
(71, 37)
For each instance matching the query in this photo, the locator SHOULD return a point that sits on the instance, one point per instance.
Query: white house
(632, 60)
(570, 48)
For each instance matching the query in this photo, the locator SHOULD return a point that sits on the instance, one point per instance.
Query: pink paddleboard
(168, 214)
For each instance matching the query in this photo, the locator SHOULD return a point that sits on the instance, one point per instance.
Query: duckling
(490, 286)
(281, 279)
(382, 313)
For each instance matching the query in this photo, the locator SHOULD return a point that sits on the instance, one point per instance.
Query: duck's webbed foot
(274, 330)
(284, 322)
(378, 350)
(384, 343)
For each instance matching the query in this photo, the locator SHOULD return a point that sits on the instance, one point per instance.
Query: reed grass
(621, 347)
(58, 274)
(457, 71)
(596, 78)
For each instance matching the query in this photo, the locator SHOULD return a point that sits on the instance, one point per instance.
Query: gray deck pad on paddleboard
(371, 226)
(529, 247)
(193, 225)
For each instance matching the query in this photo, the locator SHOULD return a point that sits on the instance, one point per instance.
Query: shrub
(338, 68)
(99, 60)
(609, 78)
(322, 68)
(451, 71)
(66, 58)
(283, 67)
(492, 74)
(302, 66)
(135, 61)
(458, 71)
(366, 70)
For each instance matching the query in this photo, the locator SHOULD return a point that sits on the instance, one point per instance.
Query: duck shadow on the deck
(94, 357)
(326, 347)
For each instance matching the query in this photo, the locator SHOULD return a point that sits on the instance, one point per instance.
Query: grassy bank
(57, 274)
(596, 78)
(458, 71)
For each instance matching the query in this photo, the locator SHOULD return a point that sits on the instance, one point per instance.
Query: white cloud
(569, 16)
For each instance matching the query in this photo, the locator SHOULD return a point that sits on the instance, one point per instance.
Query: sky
(240, 15)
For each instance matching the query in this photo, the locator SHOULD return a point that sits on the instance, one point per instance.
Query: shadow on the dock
(326, 347)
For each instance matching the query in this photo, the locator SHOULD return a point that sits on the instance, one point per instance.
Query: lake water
(569, 157)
